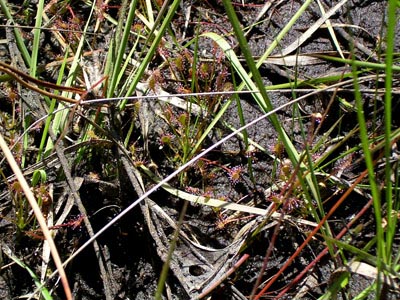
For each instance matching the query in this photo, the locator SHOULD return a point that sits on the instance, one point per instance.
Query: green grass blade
(50, 113)
(381, 253)
(120, 44)
(36, 38)
(18, 37)
(359, 64)
(283, 32)
(263, 99)
(61, 117)
(390, 45)
(45, 293)
(157, 39)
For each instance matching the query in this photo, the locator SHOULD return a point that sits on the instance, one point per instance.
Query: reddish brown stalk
(325, 251)
(310, 236)
(33, 84)
(227, 274)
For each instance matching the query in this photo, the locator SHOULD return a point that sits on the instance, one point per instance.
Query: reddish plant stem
(308, 239)
(325, 251)
(227, 274)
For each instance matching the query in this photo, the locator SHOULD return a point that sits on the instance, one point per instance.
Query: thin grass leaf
(340, 281)
(266, 105)
(359, 64)
(282, 33)
(36, 38)
(391, 216)
(331, 31)
(363, 255)
(61, 118)
(306, 35)
(204, 200)
(170, 12)
(121, 41)
(18, 37)
(38, 214)
(381, 252)
(43, 290)
(42, 150)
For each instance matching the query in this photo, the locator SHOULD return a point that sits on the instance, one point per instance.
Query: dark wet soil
(133, 250)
